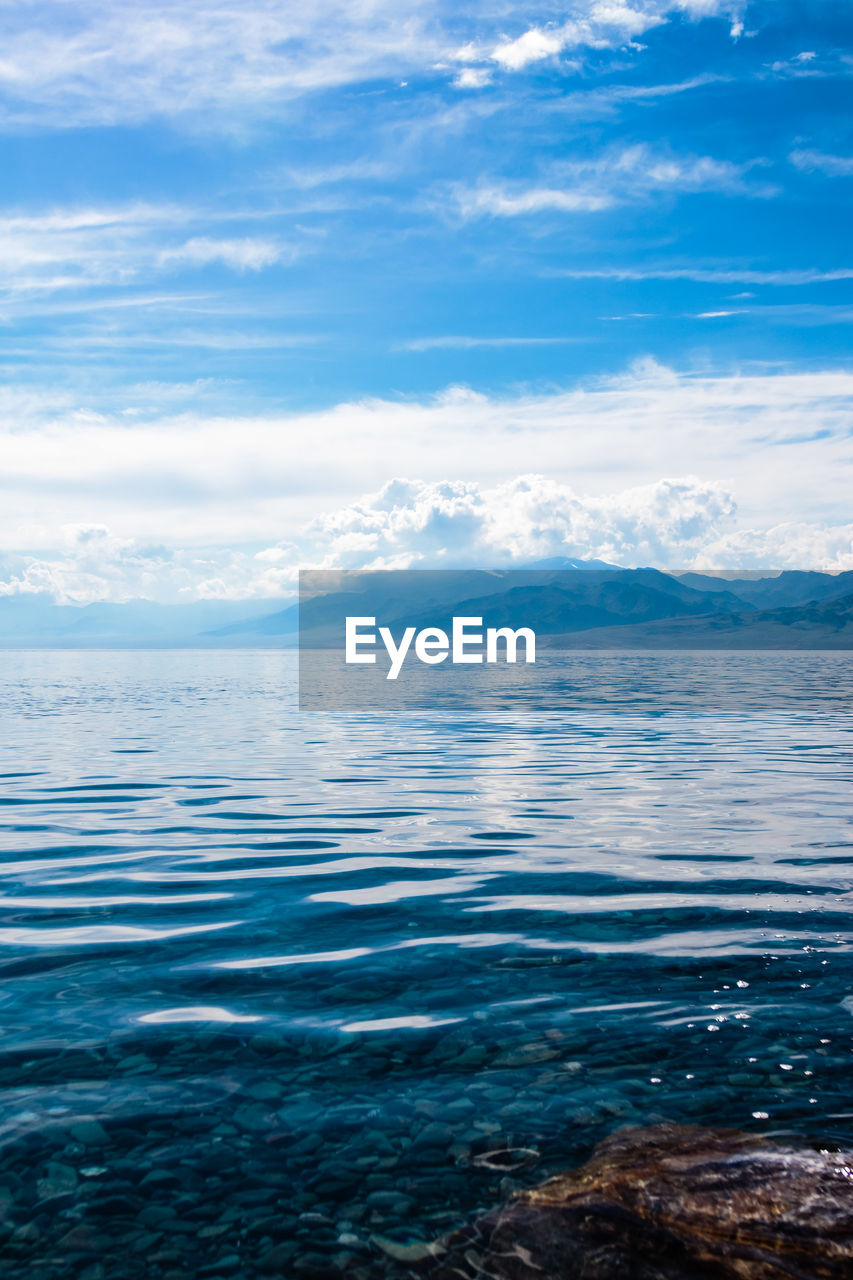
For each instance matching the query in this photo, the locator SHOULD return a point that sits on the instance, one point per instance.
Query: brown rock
(672, 1203)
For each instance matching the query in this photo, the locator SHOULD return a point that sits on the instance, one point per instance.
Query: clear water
(275, 985)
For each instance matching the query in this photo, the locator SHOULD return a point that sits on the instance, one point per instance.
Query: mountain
(614, 598)
(826, 624)
(777, 591)
(550, 601)
(567, 562)
(566, 602)
(34, 620)
(388, 594)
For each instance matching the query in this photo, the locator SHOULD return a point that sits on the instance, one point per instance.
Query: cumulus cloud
(673, 522)
(473, 78)
(452, 523)
(181, 476)
(93, 564)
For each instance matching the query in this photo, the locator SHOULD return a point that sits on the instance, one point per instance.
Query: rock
(89, 1133)
(159, 1177)
(94, 1272)
(525, 1056)
(434, 1135)
(671, 1202)
(58, 1179)
(275, 1260)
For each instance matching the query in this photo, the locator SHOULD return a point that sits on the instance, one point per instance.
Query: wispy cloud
(605, 101)
(806, 313)
(134, 59)
(589, 185)
(820, 162)
(589, 24)
(489, 200)
(710, 274)
(461, 342)
(62, 249)
(246, 254)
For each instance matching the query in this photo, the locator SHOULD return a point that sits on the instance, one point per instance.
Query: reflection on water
(275, 985)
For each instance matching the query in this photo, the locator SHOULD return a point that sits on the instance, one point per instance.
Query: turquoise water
(277, 985)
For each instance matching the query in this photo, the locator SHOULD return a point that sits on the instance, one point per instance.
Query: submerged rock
(671, 1202)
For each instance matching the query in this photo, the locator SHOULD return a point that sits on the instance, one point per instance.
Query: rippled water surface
(282, 993)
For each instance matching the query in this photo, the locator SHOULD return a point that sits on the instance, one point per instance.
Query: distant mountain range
(31, 620)
(596, 608)
(568, 603)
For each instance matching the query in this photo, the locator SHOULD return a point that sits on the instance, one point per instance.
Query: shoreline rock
(671, 1202)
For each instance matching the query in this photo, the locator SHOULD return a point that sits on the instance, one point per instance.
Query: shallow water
(275, 985)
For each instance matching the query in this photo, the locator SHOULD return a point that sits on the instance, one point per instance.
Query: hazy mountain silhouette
(563, 600)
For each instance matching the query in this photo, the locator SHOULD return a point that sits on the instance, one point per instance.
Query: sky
(360, 283)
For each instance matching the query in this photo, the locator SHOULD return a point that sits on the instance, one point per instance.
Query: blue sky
(357, 283)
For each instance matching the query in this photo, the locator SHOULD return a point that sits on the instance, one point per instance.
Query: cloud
(600, 24)
(603, 102)
(673, 522)
(93, 564)
(503, 202)
(176, 476)
(616, 177)
(807, 314)
(455, 523)
(473, 78)
(75, 248)
(533, 46)
(246, 254)
(710, 274)
(131, 60)
(820, 162)
(460, 342)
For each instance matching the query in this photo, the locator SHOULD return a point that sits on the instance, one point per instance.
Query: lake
(286, 993)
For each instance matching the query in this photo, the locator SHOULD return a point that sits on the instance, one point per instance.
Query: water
(280, 989)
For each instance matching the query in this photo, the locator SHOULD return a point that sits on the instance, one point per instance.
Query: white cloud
(778, 442)
(505, 202)
(703, 274)
(820, 162)
(615, 177)
(93, 564)
(673, 522)
(473, 78)
(455, 523)
(243, 254)
(95, 64)
(533, 46)
(461, 342)
(62, 249)
(598, 24)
